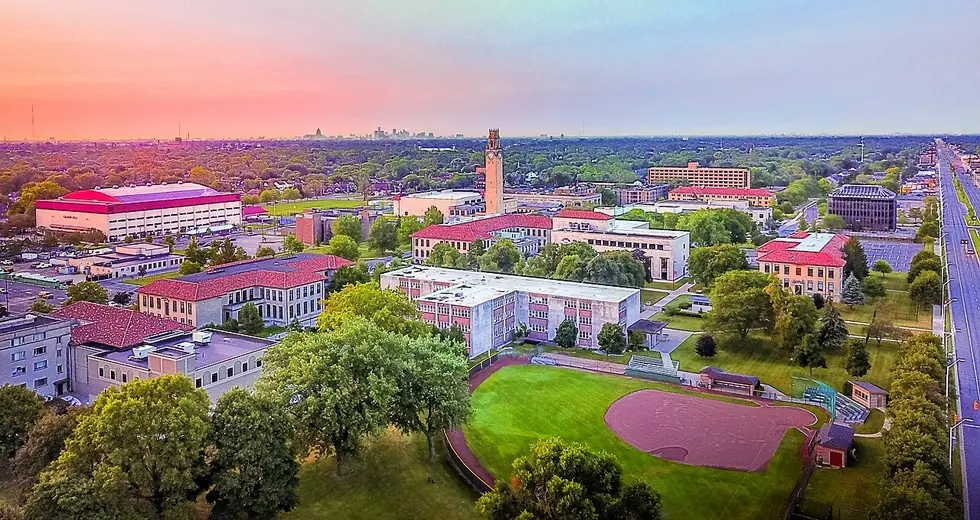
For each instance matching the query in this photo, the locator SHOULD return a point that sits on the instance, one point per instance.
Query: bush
(706, 346)
(882, 267)
(685, 305)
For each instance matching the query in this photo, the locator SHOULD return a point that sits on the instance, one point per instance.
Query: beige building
(697, 176)
(586, 200)
(665, 252)
(528, 232)
(806, 263)
(450, 202)
(756, 197)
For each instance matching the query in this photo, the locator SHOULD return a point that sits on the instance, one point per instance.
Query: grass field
(873, 423)
(757, 356)
(686, 322)
(389, 482)
(852, 491)
(667, 286)
(895, 281)
(144, 280)
(898, 304)
(650, 296)
(519, 405)
(282, 209)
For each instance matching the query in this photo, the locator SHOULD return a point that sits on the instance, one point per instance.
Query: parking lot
(897, 254)
(19, 296)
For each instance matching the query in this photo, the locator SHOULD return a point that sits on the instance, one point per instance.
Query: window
(197, 382)
(245, 365)
(766, 267)
(124, 377)
(820, 272)
(231, 371)
(809, 271)
(785, 269)
(18, 356)
(258, 363)
(40, 365)
(58, 351)
(61, 369)
(38, 383)
(214, 377)
(112, 375)
(21, 370)
(101, 371)
(189, 309)
(799, 271)
(830, 273)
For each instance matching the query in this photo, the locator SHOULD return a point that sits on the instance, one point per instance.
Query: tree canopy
(87, 292)
(740, 303)
(708, 263)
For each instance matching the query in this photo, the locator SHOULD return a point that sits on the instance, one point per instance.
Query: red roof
(480, 229)
(783, 251)
(302, 271)
(734, 192)
(114, 326)
(582, 214)
(251, 211)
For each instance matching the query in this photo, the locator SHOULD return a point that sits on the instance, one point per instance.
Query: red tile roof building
(754, 196)
(285, 289)
(806, 263)
(115, 327)
(528, 232)
(695, 175)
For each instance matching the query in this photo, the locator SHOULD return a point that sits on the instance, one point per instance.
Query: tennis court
(897, 254)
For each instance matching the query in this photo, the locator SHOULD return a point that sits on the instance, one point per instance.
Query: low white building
(128, 260)
(451, 203)
(761, 215)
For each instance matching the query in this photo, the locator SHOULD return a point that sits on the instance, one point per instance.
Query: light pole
(950, 363)
(951, 430)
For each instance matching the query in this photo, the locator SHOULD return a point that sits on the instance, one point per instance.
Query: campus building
(113, 346)
(755, 197)
(34, 353)
(285, 289)
(494, 174)
(489, 306)
(567, 200)
(695, 175)
(864, 207)
(806, 263)
(641, 194)
(127, 260)
(452, 203)
(528, 232)
(142, 210)
(664, 251)
(762, 216)
(315, 227)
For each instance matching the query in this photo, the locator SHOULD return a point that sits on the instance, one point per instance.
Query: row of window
(585, 306)
(626, 244)
(20, 370)
(229, 372)
(799, 270)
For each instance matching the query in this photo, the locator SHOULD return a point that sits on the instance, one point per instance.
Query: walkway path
(671, 296)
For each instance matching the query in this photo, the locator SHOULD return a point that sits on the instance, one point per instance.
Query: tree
(194, 253)
(41, 306)
(855, 261)
(268, 196)
(408, 227)
(189, 267)
(250, 200)
(636, 340)
(560, 480)
(857, 362)
(708, 263)
(832, 222)
(851, 293)
(617, 268)
(254, 472)
(169, 241)
(383, 235)
(388, 309)
(928, 229)
(881, 327)
(833, 331)
(810, 355)
(349, 275)
(925, 290)
(336, 387)
(291, 194)
(344, 247)
(873, 286)
(87, 292)
(571, 267)
(608, 197)
(453, 333)
(203, 176)
(291, 244)
(45, 442)
(930, 263)
(20, 408)
(611, 338)
(443, 254)
(122, 297)
(567, 334)
(740, 303)
(249, 320)
(139, 453)
(433, 393)
(501, 257)
(33, 192)
(348, 225)
(881, 266)
(432, 216)
(264, 251)
(795, 320)
(705, 346)
(818, 300)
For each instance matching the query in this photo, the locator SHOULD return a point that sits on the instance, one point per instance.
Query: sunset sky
(249, 68)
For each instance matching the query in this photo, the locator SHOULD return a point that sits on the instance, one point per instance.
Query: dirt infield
(703, 432)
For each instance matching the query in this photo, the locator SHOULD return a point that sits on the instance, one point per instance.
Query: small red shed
(833, 442)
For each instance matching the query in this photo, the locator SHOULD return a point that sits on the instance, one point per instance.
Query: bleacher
(847, 411)
(653, 368)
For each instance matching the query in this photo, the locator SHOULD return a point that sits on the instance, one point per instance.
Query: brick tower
(495, 175)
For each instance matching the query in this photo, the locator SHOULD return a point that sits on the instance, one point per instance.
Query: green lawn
(390, 481)
(667, 286)
(757, 356)
(975, 239)
(521, 404)
(688, 322)
(281, 209)
(364, 251)
(852, 491)
(873, 423)
(152, 278)
(895, 281)
(650, 296)
(897, 304)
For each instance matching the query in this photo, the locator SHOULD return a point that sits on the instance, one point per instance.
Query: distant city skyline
(117, 70)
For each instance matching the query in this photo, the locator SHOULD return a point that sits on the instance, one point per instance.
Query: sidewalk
(659, 306)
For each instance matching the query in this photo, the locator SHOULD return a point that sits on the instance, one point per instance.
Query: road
(964, 293)
(809, 212)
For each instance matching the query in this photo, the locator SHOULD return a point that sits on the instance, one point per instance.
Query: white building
(450, 202)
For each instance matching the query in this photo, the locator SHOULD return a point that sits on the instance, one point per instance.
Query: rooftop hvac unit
(202, 337)
(142, 352)
(186, 346)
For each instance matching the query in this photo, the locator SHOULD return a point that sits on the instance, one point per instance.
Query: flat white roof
(507, 283)
(444, 194)
(814, 243)
(465, 294)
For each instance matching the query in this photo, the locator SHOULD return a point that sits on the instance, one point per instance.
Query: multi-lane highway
(964, 297)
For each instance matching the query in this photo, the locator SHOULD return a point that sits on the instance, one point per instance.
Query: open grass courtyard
(851, 491)
(283, 209)
(521, 404)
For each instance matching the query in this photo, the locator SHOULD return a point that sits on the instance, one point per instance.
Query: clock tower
(495, 175)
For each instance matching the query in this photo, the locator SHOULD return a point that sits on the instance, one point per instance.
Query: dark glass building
(864, 207)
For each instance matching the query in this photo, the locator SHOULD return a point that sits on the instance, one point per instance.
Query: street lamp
(951, 430)
(950, 363)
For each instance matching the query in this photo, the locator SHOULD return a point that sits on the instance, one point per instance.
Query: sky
(248, 68)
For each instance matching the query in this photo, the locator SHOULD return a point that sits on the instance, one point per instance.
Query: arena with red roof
(140, 210)
(806, 263)
(285, 289)
(754, 196)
